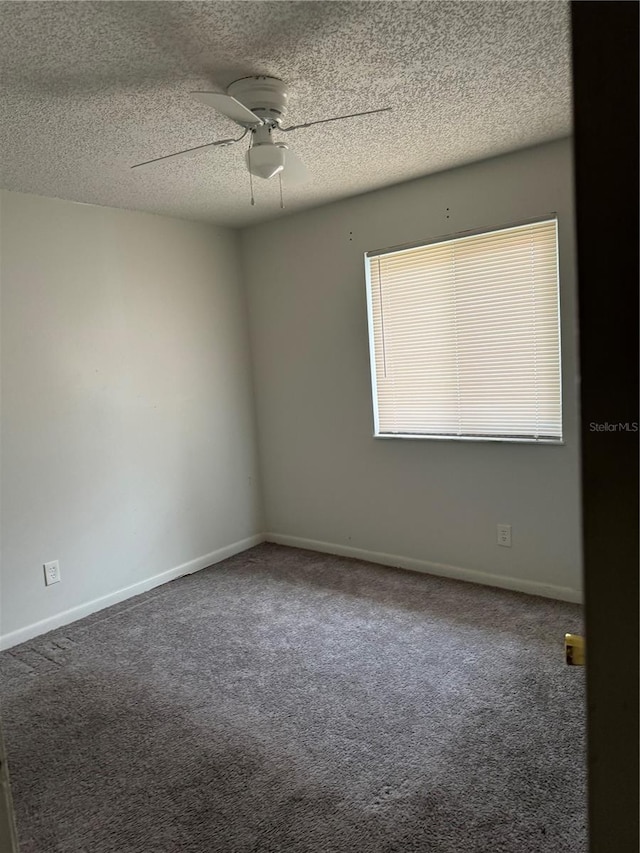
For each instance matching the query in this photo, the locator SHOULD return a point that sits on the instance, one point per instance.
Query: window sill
(480, 438)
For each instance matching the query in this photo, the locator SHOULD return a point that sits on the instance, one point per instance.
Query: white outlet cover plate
(51, 572)
(504, 535)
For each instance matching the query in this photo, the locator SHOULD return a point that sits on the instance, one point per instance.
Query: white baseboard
(561, 593)
(22, 635)
(75, 613)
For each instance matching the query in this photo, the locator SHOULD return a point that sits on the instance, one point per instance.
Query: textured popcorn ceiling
(89, 88)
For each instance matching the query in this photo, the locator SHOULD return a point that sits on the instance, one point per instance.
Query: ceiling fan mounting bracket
(267, 97)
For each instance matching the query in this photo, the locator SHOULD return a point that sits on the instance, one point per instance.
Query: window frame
(450, 238)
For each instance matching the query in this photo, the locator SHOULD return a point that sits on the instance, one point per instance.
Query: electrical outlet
(51, 572)
(504, 535)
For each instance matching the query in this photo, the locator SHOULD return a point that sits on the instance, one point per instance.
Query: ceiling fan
(258, 105)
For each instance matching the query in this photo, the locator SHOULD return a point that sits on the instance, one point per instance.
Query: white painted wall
(128, 440)
(128, 434)
(327, 482)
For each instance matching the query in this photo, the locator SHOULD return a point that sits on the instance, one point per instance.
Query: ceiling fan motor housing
(267, 97)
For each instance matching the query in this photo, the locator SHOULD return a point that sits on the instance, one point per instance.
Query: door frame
(605, 88)
(8, 833)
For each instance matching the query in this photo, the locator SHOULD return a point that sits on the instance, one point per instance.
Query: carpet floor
(285, 701)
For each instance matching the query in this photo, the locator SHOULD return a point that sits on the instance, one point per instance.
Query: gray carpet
(292, 702)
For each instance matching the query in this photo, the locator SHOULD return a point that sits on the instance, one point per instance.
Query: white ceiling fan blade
(188, 152)
(229, 107)
(294, 171)
(335, 118)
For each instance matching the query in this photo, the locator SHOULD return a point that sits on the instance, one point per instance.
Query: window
(464, 336)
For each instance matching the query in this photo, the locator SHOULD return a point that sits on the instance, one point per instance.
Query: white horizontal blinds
(466, 336)
(416, 359)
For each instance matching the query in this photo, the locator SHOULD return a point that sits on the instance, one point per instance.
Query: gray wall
(430, 505)
(128, 439)
(128, 425)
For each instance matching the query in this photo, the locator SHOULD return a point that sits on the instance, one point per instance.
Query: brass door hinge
(574, 649)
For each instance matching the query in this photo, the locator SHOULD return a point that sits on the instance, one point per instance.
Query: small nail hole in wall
(350, 236)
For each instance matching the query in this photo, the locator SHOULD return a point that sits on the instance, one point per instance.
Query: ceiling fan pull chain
(281, 200)
(253, 201)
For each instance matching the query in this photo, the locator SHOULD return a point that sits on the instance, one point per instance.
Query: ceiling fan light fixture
(265, 161)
